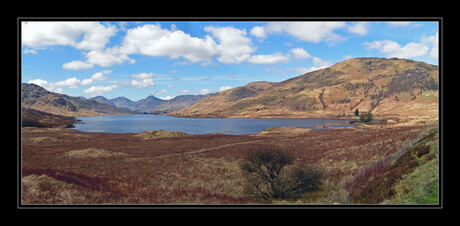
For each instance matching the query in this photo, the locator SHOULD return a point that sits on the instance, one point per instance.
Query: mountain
(122, 102)
(177, 103)
(38, 98)
(102, 99)
(151, 104)
(147, 104)
(399, 88)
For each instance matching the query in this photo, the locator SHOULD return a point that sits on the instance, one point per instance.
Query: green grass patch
(412, 179)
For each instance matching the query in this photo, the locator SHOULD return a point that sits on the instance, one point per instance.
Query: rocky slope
(396, 89)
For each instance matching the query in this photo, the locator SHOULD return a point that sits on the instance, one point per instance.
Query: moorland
(60, 165)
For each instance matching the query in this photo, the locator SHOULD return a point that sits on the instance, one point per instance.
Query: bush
(268, 179)
(366, 117)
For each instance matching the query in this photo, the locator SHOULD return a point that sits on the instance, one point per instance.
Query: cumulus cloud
(304, 31)
(152, 40)
(45, 84)
(223, 88)
(54, 86)
(359, 28)
(300, 53)
(81, 35)
(432, 41)
(108, 57)
(234, 46)
(393, 49)
(77, 65)
(96, 76)
(99, 90)
(269, 59)
(70, 82)
(258, 31)
(86, 81)
(142, 83)
(100, 75)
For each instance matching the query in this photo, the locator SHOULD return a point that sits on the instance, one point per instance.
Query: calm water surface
(233, 126)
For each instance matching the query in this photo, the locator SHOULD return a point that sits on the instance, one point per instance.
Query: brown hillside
(34, 118)
(38, 98)
(396, 89)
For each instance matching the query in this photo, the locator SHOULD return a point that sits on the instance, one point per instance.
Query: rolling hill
(38, 98)
(35, 118)
(396, 89)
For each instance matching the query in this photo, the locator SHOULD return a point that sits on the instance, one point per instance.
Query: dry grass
(92, 153)
(153, 134)
(195, 169)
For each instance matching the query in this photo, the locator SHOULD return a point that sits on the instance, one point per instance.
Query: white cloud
(258, 31)
(81, 35)
(432, 41)
(45, 84)
(306, 31)
(86, 81)
(234, 46)
(107, 57)
(142, 83)
(54, 87)
(100, 75)
(393, 49)
(269, 59)
(143, 75)
(184, 91)
(96, 76)
(223, 88)
(160, 92)
(70, 82)
(204, 91)
(359, 28)
(300, 53)
(152, 40)
(99, 90)
(77, 65)
(166, 97)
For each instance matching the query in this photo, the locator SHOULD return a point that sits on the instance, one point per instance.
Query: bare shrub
(269, 176)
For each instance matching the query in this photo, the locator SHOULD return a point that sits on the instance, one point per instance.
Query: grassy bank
(412, 179)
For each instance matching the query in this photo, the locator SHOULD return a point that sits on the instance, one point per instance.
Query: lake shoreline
(232, 126)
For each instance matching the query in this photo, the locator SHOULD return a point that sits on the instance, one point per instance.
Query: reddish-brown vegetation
(198, 169)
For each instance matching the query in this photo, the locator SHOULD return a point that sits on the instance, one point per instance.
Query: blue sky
(167, 59)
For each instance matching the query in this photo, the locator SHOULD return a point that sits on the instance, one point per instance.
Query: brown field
(65, 166)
